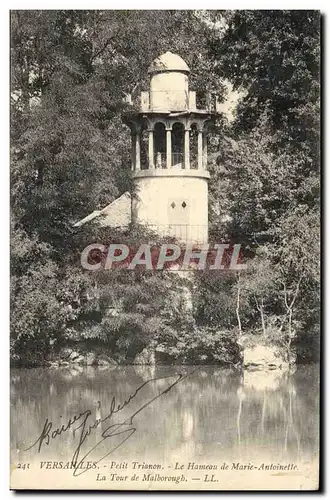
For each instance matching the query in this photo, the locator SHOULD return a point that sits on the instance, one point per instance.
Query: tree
(269, 157)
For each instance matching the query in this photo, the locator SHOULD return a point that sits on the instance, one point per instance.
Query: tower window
(184, 204)
(173, 204)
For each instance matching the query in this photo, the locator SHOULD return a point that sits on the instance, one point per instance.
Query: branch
(295, 295)
(255, 298)
(105, 46)
(296, 292)
(285, 296)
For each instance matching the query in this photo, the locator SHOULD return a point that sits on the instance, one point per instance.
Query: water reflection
(214, 414)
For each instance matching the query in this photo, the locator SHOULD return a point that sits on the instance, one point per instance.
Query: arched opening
(193, 143)
(177, 144)
(160, 145)
(144, 149)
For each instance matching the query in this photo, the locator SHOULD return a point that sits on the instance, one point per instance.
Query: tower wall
(169, 155)
(173, 205)
(169, 91)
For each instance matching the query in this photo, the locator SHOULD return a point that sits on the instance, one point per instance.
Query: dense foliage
(70, 155)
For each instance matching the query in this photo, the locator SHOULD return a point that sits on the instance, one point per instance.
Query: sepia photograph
(165, 250)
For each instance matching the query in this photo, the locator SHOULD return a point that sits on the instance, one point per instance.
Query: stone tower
(169, 153)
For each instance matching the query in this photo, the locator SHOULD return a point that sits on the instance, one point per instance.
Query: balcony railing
(177, 159)
(160, 160)
(160, 99)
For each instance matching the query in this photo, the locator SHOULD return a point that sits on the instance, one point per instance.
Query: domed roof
(168, 62)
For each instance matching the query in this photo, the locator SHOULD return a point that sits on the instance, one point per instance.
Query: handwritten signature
(86, 427)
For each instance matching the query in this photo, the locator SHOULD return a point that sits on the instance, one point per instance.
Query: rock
(145, 357)
(64, 363)
(90, 359)
(54, 364)
(104, 360)
(79, 360)
(262, 357)
(74, 355)
(65, 353)
(71, 357)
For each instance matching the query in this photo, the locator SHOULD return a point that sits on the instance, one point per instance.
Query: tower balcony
(161, 101)
(178, 143)
(173, 167)
(165, 172)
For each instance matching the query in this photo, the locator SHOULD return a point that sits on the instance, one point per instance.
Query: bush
(201, 345)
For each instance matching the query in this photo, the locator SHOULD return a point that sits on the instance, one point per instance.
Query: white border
(4, 183)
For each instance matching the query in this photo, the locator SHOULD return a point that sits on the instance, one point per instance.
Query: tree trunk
(290, 329)
(289, 310)
(261, 309)
(262, 316)
(238, 305)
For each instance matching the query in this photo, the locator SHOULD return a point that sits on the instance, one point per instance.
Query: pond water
(210, 416)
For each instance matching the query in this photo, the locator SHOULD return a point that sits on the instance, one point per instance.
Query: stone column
(200, 149)
(205, 151)
(137, 149)
(168, 148)
(151, 148)
(186, 149)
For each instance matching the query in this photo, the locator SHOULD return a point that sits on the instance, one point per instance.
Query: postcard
(165, 250)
